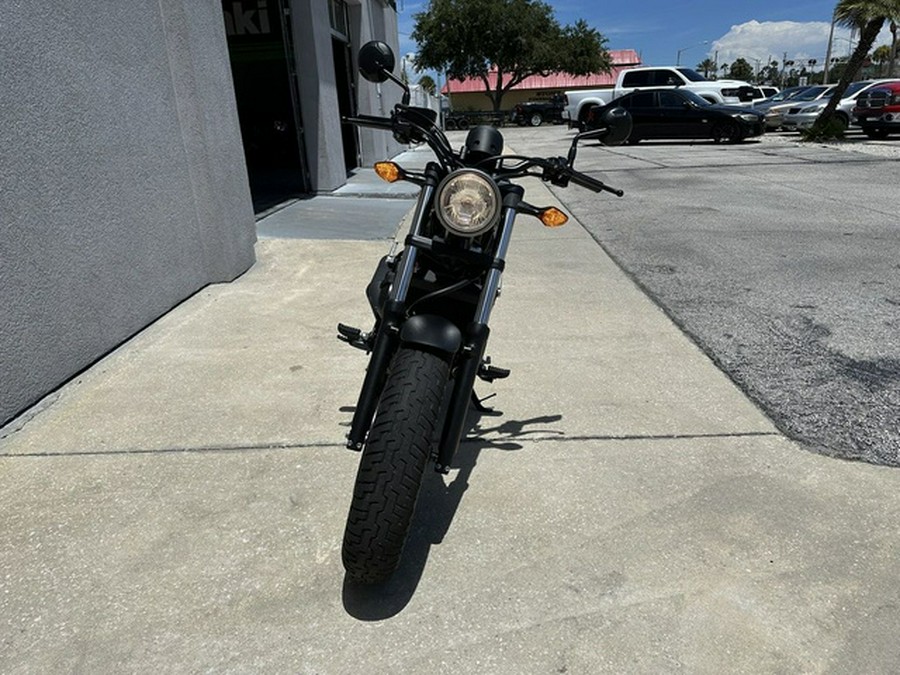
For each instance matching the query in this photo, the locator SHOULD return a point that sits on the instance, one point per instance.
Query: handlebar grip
(586, 181)
(371, 121)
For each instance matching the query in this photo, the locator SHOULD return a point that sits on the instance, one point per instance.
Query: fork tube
(400, 287)
(389, 332)
(476, 339)
(492, 283)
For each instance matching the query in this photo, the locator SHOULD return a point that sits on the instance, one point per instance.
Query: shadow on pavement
(438, 503)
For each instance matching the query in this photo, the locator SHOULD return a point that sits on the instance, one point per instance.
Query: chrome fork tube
(400, 287)
(477, 335)
(492, 283)
(388, 336)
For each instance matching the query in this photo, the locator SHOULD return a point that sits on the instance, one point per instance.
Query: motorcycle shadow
(439, 501)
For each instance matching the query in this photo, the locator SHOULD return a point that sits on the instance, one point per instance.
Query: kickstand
(479, 403)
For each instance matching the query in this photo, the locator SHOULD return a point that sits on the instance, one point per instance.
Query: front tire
(392, 463)
(726, 132)
(535, 120)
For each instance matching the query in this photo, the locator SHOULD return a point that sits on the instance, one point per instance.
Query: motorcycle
(432, 304)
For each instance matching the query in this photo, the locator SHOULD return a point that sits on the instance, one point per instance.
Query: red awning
(622, 59)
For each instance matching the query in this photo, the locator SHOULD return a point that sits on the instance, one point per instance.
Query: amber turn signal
(553, 217)
(388, 171)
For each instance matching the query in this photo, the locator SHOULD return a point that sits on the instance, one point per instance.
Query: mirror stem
(393, 78)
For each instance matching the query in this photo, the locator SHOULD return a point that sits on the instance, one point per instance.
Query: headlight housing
(750, 117)
(468, 202)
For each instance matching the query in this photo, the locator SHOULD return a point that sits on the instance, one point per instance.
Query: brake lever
(556, 171)
(559, 172)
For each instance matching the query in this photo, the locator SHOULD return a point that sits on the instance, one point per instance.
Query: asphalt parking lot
(779, 259)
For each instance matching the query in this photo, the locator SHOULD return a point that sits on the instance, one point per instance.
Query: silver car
(804, 116)
(791, 98)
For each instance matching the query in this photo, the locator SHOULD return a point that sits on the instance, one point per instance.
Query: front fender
(433, 331)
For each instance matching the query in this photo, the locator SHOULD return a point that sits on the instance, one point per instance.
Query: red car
(877, 111)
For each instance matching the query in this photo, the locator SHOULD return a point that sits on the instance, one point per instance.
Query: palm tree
(706, 67)
(882, 56)
(868, 16)
(893, 48)
(428, 85)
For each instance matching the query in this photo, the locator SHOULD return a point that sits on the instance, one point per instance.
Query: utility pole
(828, 51)
(684, 49)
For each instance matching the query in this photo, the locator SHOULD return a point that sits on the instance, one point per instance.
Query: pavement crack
(200, 450)
(620, 437)
(472, 440)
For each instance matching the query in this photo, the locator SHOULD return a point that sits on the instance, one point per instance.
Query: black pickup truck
(535, 114)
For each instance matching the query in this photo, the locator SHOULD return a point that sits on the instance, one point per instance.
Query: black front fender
(433, 331)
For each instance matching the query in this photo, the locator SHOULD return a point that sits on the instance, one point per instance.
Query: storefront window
(337, 13)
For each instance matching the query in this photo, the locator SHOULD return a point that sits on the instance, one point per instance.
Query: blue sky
(658, 30)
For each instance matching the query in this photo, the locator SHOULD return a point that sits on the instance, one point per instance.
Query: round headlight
(468, 203)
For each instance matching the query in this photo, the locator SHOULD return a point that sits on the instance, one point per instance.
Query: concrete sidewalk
(179, 507)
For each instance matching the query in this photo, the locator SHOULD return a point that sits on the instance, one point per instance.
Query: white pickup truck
(731, 92)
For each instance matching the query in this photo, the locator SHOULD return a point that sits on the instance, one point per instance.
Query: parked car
(769, 106)
(534, 114)
(803, 117)
(731, 92)
(776, 113)
(877, 110)
(678, 113)
(781, 97)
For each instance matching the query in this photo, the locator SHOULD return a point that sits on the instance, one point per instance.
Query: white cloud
(773, 39)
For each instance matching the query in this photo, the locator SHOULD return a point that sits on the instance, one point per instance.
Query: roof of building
(621, 59)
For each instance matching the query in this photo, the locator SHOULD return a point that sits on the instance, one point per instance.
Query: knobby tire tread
(392, 465)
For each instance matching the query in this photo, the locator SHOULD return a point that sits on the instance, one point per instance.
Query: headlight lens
(468, 203)
(749, 117)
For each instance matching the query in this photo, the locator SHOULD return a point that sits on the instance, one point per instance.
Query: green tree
(838, 68)
(882, 57)
(770, 73)
(868, 16)
(740, 70)
(501, 42)
(707, 67)
(428, 85)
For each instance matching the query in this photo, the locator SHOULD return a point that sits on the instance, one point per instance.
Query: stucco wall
(124, 188)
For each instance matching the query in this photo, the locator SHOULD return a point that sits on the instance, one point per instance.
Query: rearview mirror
(376, 61)
(376, 64)
(614, 128)
(618, 124)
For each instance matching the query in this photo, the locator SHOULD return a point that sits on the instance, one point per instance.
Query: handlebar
(410, 125)
(556, 170)
(586, 181)
(371, 121)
